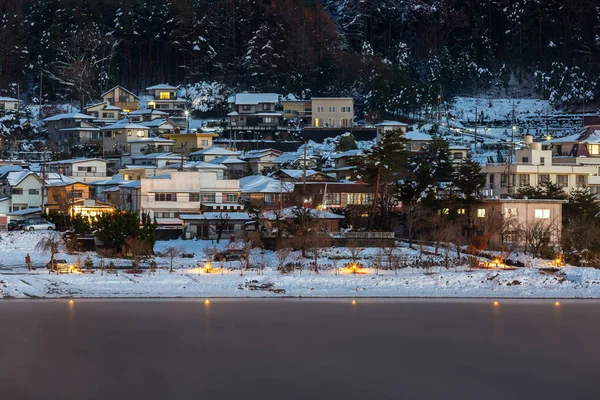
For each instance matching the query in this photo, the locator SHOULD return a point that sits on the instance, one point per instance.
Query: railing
(81, 173)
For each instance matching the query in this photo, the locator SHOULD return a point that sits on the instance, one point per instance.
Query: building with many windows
(332, 112)
(254, 111)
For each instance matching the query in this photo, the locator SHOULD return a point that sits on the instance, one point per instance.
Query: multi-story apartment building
(68, 130)
(298, 109)
(534, 166)
(332, 112)
(81, 168)
(166, 197)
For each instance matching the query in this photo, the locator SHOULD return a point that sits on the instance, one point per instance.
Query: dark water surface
(299, 349)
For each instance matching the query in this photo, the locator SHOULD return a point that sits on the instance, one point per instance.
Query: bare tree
(137, 247)
(315, 245)
(282, 254)
(355, 250)
(222, 222)
(172, 253)
(52, 244)
(538, 236)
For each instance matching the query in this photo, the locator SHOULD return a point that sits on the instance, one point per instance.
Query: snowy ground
(189, 280)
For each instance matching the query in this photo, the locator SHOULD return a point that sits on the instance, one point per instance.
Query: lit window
(511, 213)
(140, 133)
(594, 149)
(129, 133)
(460, 211)
(481, 213)
(542, 213)
(165, 95)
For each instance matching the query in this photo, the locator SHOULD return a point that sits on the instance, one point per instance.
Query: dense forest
(393, 56)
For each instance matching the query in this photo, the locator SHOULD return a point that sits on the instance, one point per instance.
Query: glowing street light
(187, 121)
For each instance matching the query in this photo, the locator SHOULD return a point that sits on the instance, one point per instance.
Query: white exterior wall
(26, 199)
(182, 184)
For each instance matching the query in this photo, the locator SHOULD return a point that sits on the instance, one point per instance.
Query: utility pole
(44, 180)
(476, 118)
(40, 109)
(304, 171)
(509, 159)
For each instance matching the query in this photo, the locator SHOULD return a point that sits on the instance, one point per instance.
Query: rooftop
(254, 98)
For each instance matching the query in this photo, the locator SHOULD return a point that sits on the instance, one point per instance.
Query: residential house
(107, 190)
(136, 172)
(148, 145)
(166, 197)
(266, 192)
(115, 137)
(104, 113)
(207, 225)
(332, 112)
(292, 160)
(534, 166)
(298, 175)
(130, 198)
(201, 166)
(417, 141)
(83, 168)
(298, 109)
(146, 115)
(68, 130)
(261, 161)
(254, 111)
(328, 221)
(164, 98)
(159, 160)
(458, 154)
(211, 153)
(8, 104)
(580, 148)
(235, 168)
(336, 195)
(61, 191)
(526, 214)
(122, 98)
(388, 126)
(342, 163)
(191, 143)
(25, 189)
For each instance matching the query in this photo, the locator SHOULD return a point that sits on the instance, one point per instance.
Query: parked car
(15, 224)
(59, 265)
(38, 224)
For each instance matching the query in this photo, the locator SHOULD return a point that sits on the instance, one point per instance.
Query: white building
(534, 166)
(84, 169)
(387, 126)
(166, 197)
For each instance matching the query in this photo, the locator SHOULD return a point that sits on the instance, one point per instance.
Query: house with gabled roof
(264, 191)
(82, 168)
(164, 98)
(236, 168)
(580, 148)
(212, 153)
(261, 161)
(122, 98)
(297, 175)
(8, 104)
(73, 129)
(387, 126)
(190, 142)
(254, 111)
(24, 189)
(116, 136)
(104, 113)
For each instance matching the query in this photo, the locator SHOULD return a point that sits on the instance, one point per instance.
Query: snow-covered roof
(567, 139)
(26, 211)
(161, 86)
(151, 140)
(254, 98)
(158, 155)
(203, 165)
(215, 151)
(226, 160)
(119, 87)
(391, 123)
(124, 124)
(56, 179)
(147, 111)
(3, 98)
(298, 173)
(290, 212)
(236, 216)
(132, 184)
(233, 114)
(416, 135)
(349, 153)
(75, 161)
(59, 117)
(79, 128)
(457, 147)
(16, 177)
(9, 168)
(154, 123)
(114, 180)
(264, 184)
(259, 153)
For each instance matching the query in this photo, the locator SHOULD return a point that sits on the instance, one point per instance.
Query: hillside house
(115, 137)
(332, 112)
(82, 168)
(254, 111)
(68, 130)
(261, 161)
(190, 143)
(298, 109)
(207, 225)
(104, 113)
(266, 192)
(121, 98)
(388, 126)
(24, 189)
(211, 153)
(8, 104)
(235, 168)
(164, 98)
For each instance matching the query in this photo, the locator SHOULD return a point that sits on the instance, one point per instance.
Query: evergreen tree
(468, 182)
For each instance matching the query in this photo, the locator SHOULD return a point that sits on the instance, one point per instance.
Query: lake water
(299, 349)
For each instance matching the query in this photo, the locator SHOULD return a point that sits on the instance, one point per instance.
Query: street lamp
(187, 121)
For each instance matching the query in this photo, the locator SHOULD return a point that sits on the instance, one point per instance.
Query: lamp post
(187, 121)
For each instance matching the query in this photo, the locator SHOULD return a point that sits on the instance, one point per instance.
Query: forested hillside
(391, 55)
